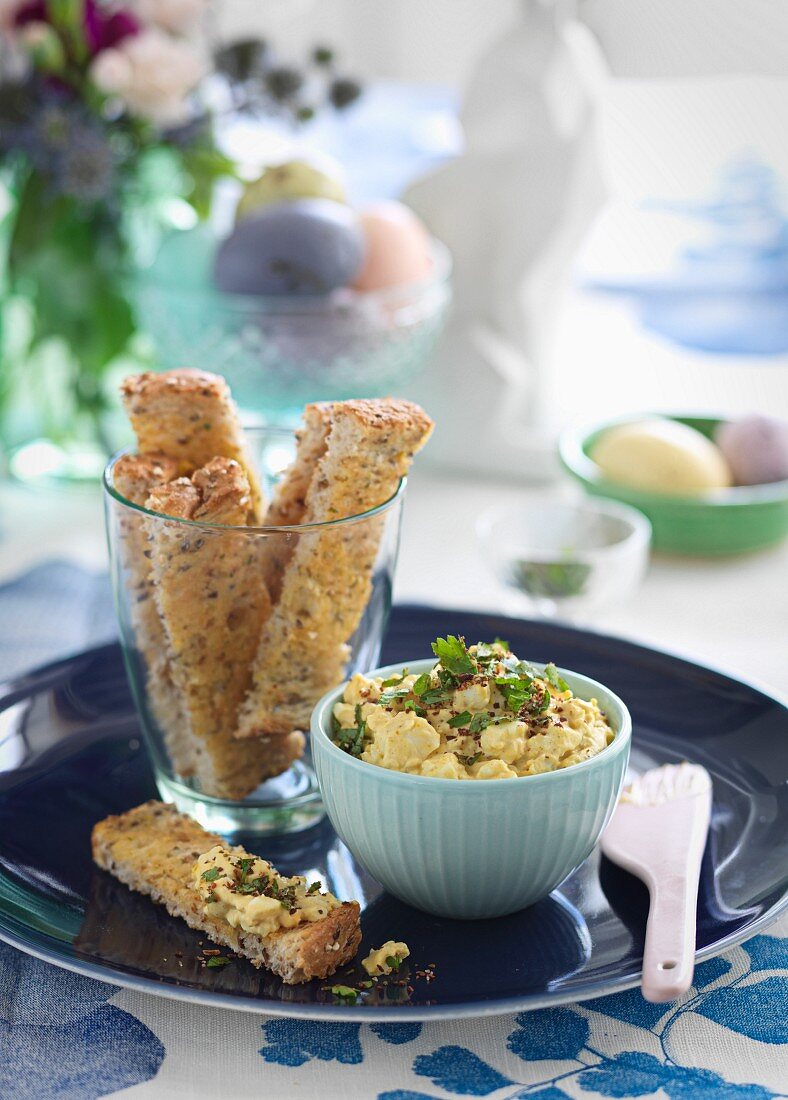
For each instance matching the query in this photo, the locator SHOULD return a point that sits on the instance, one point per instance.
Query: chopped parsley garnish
(395, 681)
(435, 697)
(516, 692)
(552, 677)
(211, 874)
(486, 652)
(314, 888)
(454, 656)
(422, 683)
(345, 993)
(541, 702)
(469, 761)
(391, 696)
(553, 579)
(460, 720)
(394, 962)
(244, 865)
(352, 740)
(217, 960)
(481, 721)
(411, 704)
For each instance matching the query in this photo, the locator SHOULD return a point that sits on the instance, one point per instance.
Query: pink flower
(152, 73)
(106, 28)
(171, 15)
(20, 12)
(8, 13)
(103, 27)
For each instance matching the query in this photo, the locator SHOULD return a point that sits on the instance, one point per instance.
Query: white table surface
(731, 613)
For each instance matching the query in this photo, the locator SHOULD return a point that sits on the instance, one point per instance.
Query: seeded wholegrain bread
(190, 416)
(153, 848)
(327, 582)
(213, 603)
(134, 477)
(288, 504)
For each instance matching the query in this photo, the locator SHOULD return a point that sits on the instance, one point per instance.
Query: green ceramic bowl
(471, 849)
(726, 521)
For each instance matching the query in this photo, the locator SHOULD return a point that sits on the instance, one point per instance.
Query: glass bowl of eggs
(709, 485)
(304, 299)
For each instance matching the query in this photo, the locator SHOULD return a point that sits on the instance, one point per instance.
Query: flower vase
(66, 323)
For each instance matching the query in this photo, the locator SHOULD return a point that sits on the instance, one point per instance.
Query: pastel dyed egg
(661, 456)
(756, 449)
(295, 179)
(398, 247)
(305, 247)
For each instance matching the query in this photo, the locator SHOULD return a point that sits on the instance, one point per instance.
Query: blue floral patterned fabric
(72, 1038)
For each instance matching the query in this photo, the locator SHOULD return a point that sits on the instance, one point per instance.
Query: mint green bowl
(474, 849)
(726, 521)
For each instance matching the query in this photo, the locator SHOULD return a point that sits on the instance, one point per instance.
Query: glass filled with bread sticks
(252, 570)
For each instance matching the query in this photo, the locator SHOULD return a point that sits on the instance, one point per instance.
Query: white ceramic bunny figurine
(505, 208)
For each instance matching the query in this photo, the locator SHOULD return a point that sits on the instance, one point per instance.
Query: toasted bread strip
(134, 477)
(213, 603)
(289, 501)
(189, 415)
(327, 583)
(153, 848)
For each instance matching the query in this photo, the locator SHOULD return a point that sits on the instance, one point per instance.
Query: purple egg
(756, 448)
(305, 247)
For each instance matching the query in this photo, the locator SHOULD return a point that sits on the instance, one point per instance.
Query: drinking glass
(163, 571)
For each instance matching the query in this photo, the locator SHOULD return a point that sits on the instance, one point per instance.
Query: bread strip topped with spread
(287, 925)
(190, 416)
(327, 581)
(134, 477)
(213, 603)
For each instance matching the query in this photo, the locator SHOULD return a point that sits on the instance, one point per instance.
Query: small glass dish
(567, 560)
(277, 351)
(189, 672)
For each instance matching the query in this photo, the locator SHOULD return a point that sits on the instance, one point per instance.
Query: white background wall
(420, 40)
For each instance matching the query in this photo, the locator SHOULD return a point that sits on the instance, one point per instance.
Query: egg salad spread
(385, 959)
(249, 894)
(480, 713)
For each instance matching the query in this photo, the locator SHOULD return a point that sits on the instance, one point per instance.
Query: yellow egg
(295, 179)
(661, 456)
(399, 741)
(443, 765)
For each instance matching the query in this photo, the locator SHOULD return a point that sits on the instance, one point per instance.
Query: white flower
(172, 15)
(152, 73)
(112, 72)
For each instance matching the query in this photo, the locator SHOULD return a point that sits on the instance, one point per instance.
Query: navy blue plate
(70, 754)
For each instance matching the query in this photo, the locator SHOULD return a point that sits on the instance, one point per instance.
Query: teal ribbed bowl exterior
(472, 849)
